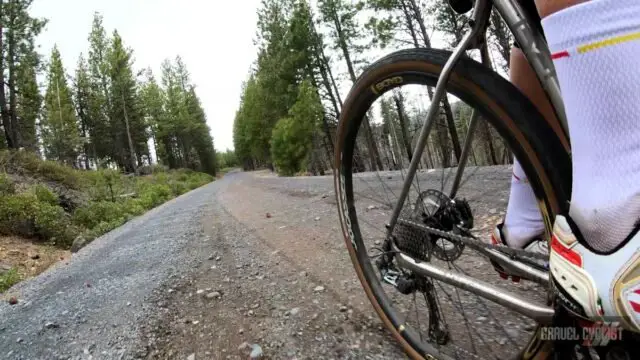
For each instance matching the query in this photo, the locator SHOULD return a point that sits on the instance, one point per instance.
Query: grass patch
(29, 164)
(224, 171)
(107, 198)
(8, 279)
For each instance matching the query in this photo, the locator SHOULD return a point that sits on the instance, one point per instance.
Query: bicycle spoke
(432, 312)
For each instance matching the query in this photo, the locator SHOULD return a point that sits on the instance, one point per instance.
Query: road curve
(94, 303)
(249, 260)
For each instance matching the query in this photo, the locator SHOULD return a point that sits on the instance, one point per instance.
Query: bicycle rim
(480, 91)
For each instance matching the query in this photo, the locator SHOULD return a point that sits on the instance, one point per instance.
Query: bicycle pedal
(391, 277)
(505, 276)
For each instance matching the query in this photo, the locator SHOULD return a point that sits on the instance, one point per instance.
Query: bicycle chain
(475, 243)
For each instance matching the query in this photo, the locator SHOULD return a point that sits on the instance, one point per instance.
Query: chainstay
(475, 243)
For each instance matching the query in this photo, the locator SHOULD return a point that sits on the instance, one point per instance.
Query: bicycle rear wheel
(513, 117)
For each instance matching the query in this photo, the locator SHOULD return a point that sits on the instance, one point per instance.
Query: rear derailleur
(409, 283)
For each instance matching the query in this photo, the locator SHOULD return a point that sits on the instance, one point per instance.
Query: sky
(215, 40)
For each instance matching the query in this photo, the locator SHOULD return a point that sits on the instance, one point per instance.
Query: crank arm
(541, 313)
(517, 268)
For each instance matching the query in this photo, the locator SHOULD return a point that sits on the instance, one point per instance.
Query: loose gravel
(250, 266)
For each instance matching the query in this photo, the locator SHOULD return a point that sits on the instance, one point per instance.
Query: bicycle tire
(540, 152)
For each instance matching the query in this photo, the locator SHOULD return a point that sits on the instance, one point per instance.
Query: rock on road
(207, 276)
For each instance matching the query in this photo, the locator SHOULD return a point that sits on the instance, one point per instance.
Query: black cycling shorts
(529, 7)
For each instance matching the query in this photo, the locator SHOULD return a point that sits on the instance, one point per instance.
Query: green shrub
(291, 137)
(102, 207)
(161, 178)
(45, 195)
(7, 187)
(105, 184)
(104, 227)
(8, 279)
(157, 168)
(28, 163)
(186, 171)
(64, 175)
(179, 188)
(91, 215)
(153, 195)
(133, 207)
(17, 213)
(25, 215)
(54, 225)
(182, 177)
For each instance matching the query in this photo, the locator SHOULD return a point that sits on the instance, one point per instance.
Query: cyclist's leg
(596, 47)
(523, 222)
(548, 7)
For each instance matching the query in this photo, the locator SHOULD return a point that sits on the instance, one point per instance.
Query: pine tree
(59, 126)
(241, 132)
(307, 60)
(82, 100)
(183, 121)
(17, 57)
(182, 129)
(127, 119)
(173, 104)
(340, 16)
(292, 137)
(29, 100)
(200, 135)
(153, 100)
(5, 114)
(277, 76)
(98, 107)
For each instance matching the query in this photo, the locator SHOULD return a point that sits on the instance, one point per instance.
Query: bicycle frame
(537, 53)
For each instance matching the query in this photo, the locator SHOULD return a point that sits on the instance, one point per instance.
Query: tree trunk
(403, 125)
(373, 149)
(328, 141)
(82, 116)
(502, 37)
(132, 151)
(375, 161)
(11, 63)
(451, 125)
(452, 129)
(430, 156)
(357, 159)
(443, 142)
(85, 147)
(333, 81)
(466, 131)
(168, 148)
(409, 23)
(385, 151)
(325, 121)
(155, 147)
(4, 112)
(417, 14)
(490, 149)
(323, 67)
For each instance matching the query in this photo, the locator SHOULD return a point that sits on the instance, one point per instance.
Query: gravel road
(250, 264)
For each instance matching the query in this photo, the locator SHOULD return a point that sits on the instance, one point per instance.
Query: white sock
(596, 47)
(523, 221)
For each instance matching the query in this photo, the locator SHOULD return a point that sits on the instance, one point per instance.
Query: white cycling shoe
(598, 286)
